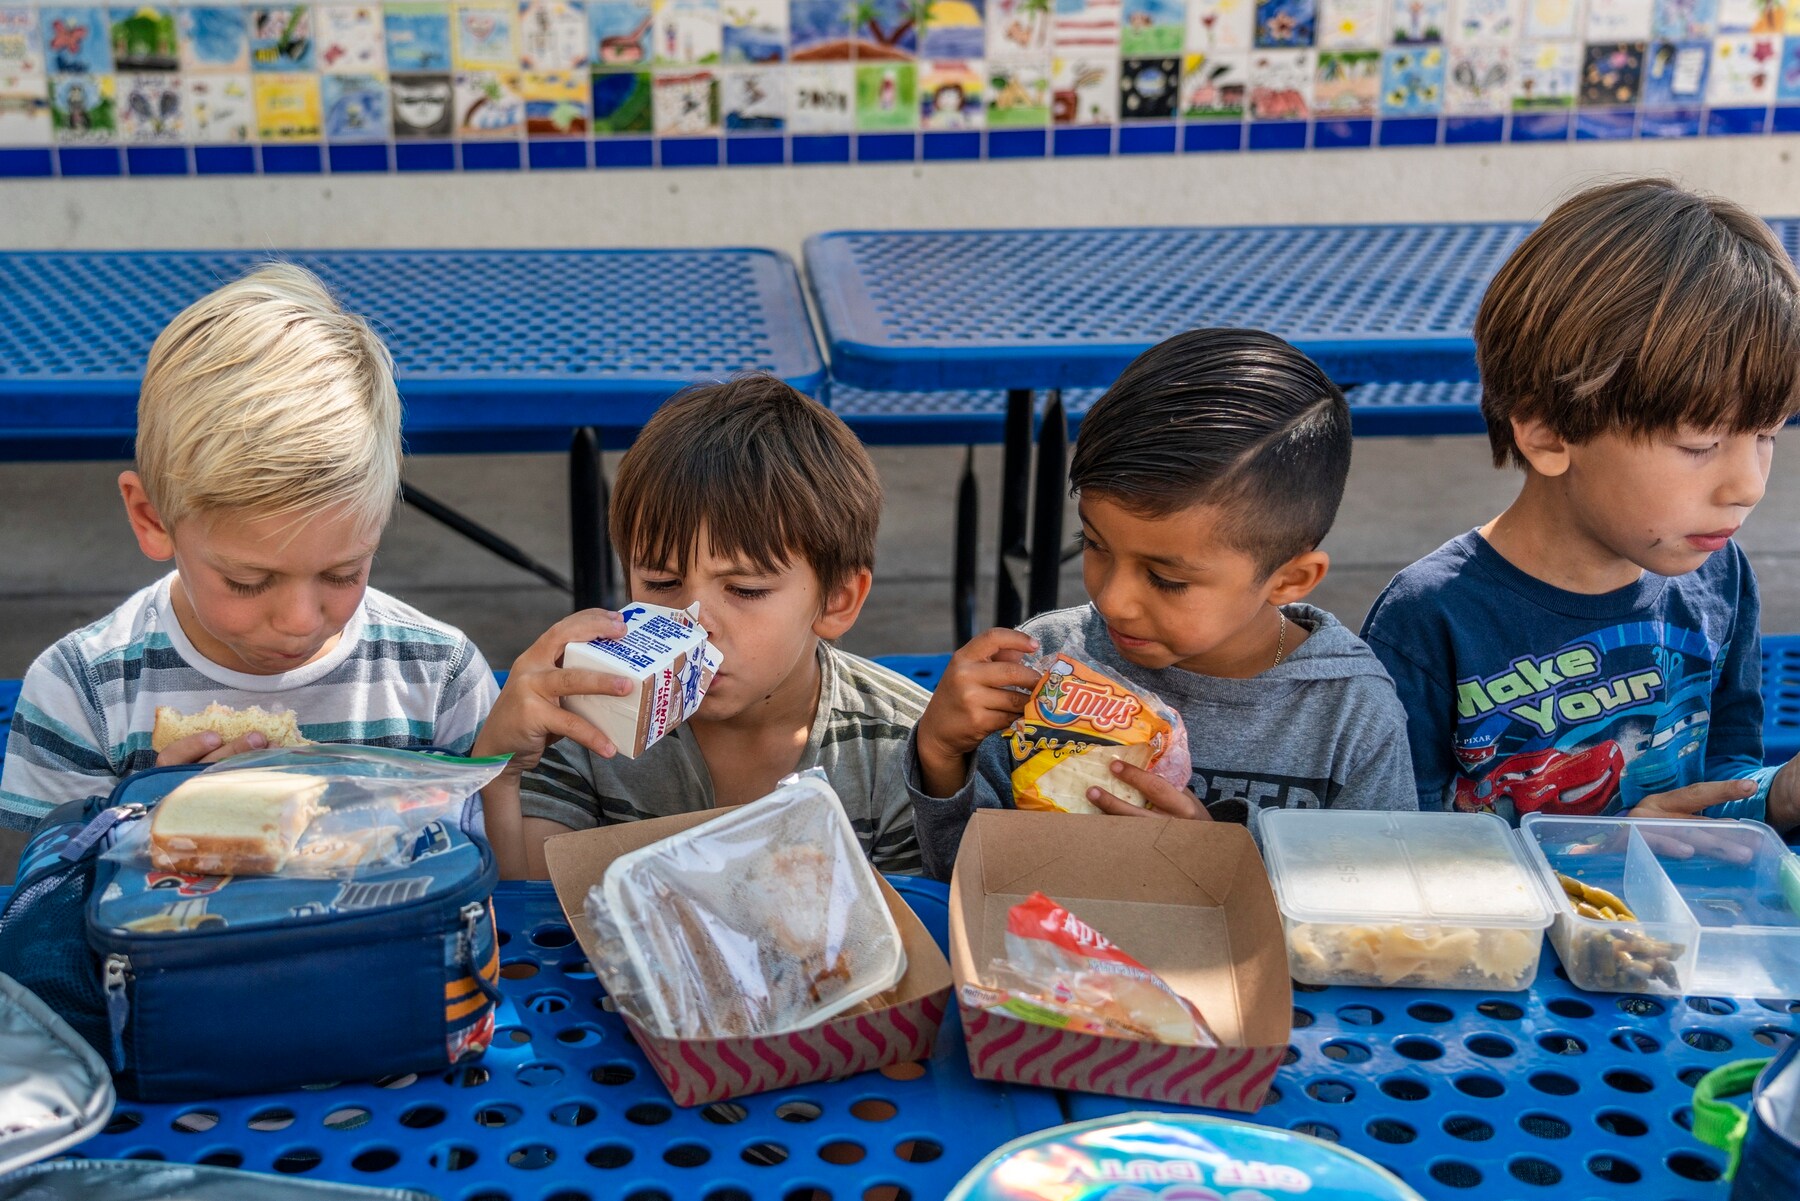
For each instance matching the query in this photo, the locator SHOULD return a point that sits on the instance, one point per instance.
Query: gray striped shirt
(395, 678)
(858, 736)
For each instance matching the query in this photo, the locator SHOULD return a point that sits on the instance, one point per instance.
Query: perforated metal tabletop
(922, 310)
(1552, 1093)
(565, 1108)
(483, 340)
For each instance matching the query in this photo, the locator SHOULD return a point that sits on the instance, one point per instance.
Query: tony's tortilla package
(1077, 721)
(1059, 971)
(666, 652)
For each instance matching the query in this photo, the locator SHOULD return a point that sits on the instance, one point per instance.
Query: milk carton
(666, 653)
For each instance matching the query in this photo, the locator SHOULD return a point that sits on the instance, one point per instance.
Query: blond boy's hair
(266, 399)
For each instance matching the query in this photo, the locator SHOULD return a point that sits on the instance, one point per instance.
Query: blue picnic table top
(1049, 308)
(930, 310)
(1550, 1092)
(565, 1105)
(489, 345)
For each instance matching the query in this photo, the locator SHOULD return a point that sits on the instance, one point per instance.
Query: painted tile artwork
(377, 71)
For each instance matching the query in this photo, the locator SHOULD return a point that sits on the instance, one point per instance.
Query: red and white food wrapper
(665, 652)
(1059, 971)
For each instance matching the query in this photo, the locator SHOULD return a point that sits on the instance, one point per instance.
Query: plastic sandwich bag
(327, 811)
(1076, 722)
(765, 920)
(1059, 971)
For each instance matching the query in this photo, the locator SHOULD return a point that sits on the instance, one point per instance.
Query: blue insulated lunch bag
(201, 986)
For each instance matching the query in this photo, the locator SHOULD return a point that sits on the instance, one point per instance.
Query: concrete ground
(68, 555)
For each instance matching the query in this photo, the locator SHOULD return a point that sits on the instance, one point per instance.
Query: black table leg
(1015, 504)
(1050, 484)
(968, 537)
(480, 535)
(590, 555)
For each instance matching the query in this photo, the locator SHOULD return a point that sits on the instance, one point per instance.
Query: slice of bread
(281, 729)
(233, 823)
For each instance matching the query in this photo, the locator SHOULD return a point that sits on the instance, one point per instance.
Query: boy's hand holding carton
(529, 715)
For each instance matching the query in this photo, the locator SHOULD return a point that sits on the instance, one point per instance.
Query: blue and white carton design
(666, 652)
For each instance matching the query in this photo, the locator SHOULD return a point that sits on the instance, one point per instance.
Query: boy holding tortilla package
(1207, 477)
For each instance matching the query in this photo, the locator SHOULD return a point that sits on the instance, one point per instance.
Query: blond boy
(268, 461)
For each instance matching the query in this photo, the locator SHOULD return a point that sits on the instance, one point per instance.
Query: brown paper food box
(899, 1026)
(1189, 900)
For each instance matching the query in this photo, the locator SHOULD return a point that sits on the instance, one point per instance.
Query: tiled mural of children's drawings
(1018, 96)
(951, 95)
(1215, 87)
(1281, 85)
(1084, 76)
(685, 103)
(24, 83)
(1417, 22)
(752, 100)
(1149, 88)
(821, 98)
(552, 35)
(355, 107)
(489, 104)
(1352, 24)
(1348, 83)
(1478, 79)
(753, 31)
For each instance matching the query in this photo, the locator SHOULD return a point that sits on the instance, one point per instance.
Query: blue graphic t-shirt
(1521, 697)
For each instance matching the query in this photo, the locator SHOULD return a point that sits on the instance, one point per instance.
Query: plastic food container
(764, 921)
(1404, 900)
(1655, 951)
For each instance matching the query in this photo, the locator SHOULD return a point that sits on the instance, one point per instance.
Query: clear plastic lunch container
(1734, 880)
(1652, 949)
(1404, 900)
(765, 920)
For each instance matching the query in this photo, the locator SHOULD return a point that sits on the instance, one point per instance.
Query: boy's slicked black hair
(1235, 418)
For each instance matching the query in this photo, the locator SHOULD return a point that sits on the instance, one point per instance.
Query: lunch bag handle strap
(1718, 1122)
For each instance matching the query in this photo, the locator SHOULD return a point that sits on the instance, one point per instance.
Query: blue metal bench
(978, 418)
(493, 349)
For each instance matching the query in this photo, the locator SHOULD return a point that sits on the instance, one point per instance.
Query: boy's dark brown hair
(770, 473)
(1638, 306)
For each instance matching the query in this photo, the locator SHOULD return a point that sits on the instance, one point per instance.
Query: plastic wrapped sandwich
(763, 921)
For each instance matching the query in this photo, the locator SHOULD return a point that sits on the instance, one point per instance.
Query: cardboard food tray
(1189, 900)
(898, 1026)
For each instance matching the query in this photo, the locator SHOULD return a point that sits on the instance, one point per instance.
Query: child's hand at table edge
(1165, 799)
(528, 717)
(984, 688)
(1689, 802)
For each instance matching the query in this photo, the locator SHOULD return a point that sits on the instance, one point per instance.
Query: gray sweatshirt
(1324, 729)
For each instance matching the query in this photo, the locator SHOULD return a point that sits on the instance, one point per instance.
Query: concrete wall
(780, 207)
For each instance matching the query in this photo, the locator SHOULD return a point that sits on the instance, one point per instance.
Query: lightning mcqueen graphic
(1552, 781)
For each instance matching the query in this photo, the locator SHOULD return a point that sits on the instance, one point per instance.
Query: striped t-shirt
(395, 678)
(858, 737)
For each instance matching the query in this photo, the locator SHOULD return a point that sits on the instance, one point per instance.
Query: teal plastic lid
(1175, 1157)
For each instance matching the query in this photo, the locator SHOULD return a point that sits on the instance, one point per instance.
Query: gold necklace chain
(1280, 641)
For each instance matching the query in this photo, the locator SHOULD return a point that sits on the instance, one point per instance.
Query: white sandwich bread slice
(280, 728)
(234, 823)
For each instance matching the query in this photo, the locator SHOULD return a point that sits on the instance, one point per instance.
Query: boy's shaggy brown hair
(1640, 307)
(770, 473)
